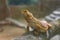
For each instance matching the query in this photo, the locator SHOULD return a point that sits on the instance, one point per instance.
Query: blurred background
(11, 9)
(39, 8)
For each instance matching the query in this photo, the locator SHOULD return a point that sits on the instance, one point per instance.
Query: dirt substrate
(10, 32)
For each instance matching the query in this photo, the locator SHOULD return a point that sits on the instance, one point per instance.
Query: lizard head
(26, 13)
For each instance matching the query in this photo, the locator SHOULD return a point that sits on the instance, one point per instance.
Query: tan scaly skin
(34, 22)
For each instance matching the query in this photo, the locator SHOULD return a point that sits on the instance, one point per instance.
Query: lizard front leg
(27, 28)
(36, 32)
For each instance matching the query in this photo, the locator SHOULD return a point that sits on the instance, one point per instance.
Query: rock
(55, 15)
(30, 36)
(57, 37)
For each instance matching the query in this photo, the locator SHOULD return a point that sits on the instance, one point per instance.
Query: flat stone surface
(57, 37)
(30, 36)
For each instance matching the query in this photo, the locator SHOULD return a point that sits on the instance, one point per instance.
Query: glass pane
(22, 2)
(39, 8)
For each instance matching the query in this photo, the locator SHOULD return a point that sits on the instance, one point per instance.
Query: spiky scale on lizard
(34, 22)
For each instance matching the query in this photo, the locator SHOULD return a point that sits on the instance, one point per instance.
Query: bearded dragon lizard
(34, 22)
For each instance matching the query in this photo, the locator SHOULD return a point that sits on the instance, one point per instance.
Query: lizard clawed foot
(35, 32)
